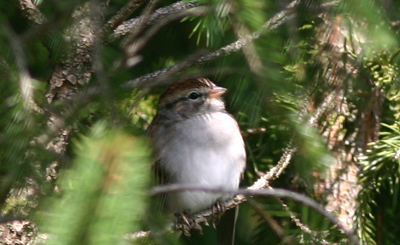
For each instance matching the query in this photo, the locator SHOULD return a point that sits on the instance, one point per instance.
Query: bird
(196, 142)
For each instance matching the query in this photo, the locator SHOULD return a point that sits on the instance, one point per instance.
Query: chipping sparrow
(196, 142)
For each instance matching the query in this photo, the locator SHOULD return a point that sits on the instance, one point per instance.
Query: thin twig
(284, 161)
(143, 20)
(149, 79)
(138, 44)
(277, 20)
(277, 170)
(271, 222)
(130, 25)
(301, 225)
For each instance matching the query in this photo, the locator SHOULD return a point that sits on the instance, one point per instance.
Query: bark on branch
(159, 14)
(278, 193)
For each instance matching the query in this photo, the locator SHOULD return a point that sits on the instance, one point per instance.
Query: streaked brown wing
(161, 178)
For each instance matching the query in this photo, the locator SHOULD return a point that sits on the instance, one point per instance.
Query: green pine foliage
(105, 190)
(378, 197)
(376, 215)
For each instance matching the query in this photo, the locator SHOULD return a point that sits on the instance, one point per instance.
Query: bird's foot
(188, 225)
(218, 210)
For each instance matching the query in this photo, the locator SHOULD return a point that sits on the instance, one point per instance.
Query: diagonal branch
(30, 11)
(134, 47)
(130, 25)
(280, 18)
(155, 78)
(122, 14)
(277, 170)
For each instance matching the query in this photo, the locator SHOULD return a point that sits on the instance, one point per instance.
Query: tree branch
(278, 193)
(151, 78)
(122, 14)
(30, 11)
(155, 78)
(130, 25)
(277, 170)
(139, 43)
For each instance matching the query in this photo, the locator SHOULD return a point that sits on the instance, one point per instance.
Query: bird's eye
(194, 95)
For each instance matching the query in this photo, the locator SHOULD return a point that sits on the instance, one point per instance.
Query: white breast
(206, 151)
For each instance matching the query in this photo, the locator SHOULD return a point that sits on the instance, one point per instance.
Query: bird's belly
(213, 169)
(212, 156)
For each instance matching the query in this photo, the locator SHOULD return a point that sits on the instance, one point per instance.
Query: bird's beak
(217, 92)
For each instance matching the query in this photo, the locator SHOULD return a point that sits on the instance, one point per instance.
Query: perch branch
(278, 193)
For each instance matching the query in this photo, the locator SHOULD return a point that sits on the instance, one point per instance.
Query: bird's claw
(187, 225)
(218, 210)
